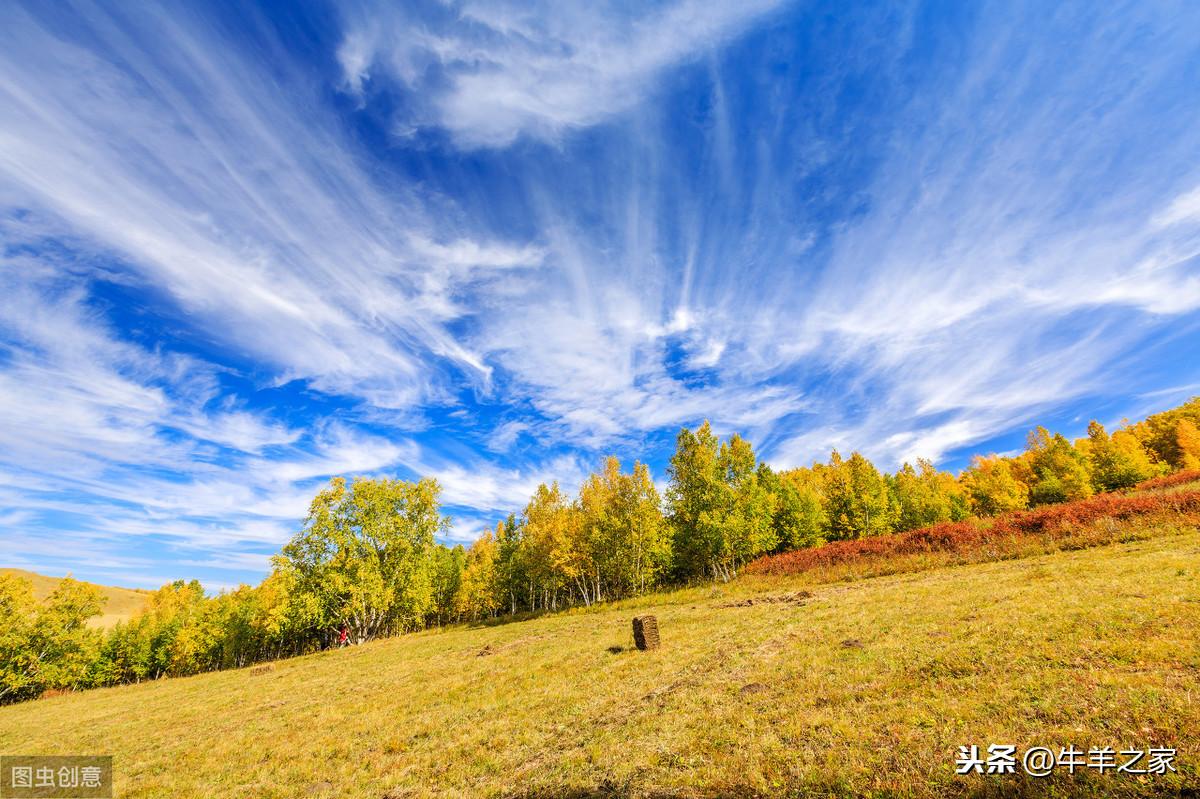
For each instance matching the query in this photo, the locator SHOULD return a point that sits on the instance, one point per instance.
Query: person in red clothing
(345, 636)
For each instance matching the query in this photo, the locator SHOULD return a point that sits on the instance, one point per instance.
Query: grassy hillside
(121, 603)
(859, 687)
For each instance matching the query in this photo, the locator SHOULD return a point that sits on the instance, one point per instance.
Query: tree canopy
(369, 559)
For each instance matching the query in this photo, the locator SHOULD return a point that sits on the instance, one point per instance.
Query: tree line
(367, 562)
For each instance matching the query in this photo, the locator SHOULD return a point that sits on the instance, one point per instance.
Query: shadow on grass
(664, 596)
(511, 618)
(1179, 786)
(613, 791)
(1176, 786)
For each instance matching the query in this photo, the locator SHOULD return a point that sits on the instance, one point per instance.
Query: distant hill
(122, 604)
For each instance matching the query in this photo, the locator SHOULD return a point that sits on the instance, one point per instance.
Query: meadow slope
(862, 688)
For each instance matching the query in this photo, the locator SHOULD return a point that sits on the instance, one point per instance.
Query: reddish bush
(1053, 521)
(1169, 480)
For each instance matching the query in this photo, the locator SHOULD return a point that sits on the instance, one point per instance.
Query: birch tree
(362, 562)
(625, 540)
(720, 511)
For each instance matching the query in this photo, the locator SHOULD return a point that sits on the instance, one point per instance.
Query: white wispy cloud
(252, 215)
(119, 440)
(1184, 208)
(1008, 258)
(543, 69)
(824, 241)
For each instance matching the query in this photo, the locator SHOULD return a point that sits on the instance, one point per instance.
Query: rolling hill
(120, 604)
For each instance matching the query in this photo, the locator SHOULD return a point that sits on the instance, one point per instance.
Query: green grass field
(120, 604)
(861, 688)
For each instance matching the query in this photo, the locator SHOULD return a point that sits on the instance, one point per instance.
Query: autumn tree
(624, 538)
(183, 632)
(19, 678)
(275, 629)
(1060, 471)
(1117, 461)
(1187, 445)
(553, 555)
(992, 486)
(479, 592)
(925, 496)
(1159, 433)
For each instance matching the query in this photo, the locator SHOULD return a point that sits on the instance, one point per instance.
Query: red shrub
(1053, 521)
(1169, 480)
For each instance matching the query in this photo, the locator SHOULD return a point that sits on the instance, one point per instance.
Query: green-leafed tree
(749, 512)
(859, 500)
(363, 560)
(695, 491)
(446, 576)
(800, 519)
(46, 644)
(510, 561)
(720, 512)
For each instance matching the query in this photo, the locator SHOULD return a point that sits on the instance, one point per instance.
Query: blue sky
(246, 247)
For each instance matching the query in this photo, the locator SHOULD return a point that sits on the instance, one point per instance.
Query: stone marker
(645, 632)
